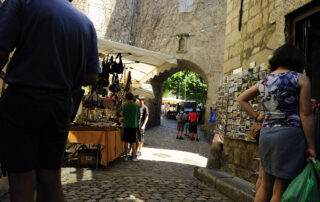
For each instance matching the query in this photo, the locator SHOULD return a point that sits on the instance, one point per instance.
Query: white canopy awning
(140, 62)
(144, 90)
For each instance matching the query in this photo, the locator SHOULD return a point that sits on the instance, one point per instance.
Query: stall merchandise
(100, 117)
(231, 120)
(104, 100)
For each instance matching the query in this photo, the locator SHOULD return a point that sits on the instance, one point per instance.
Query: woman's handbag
(120, 67)
(117, 67)
(111, 64)
(256, 127)
(115, 86)
(103, 78)
(255, 130)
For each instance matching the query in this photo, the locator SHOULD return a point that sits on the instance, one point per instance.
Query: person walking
(180, 124)
(163, 110)
(186, 123)
(288, 128)
(193, 127)
(130, 112)
(143, 120)
(55, 54)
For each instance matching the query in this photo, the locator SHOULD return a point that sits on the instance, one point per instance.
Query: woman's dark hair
(288, 56)
(194, 110)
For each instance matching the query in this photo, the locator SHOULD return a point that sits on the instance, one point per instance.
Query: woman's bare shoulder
(303, 80)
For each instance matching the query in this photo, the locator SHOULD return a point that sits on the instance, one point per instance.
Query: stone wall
(238, 158)
(157, 25)
(262, 30)
(112, 18)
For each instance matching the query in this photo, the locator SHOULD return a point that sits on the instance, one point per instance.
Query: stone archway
(157, 84)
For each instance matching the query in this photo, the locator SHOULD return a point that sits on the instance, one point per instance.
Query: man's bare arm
(145, 122)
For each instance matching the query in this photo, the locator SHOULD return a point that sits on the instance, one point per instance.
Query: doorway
(305, 33)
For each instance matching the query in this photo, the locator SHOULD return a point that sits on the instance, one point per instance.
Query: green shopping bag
(304, 188)
(316, 165)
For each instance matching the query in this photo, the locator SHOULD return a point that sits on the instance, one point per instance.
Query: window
(185, 6)
(182, 44)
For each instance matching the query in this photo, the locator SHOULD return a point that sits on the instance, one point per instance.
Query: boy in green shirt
(130, 112)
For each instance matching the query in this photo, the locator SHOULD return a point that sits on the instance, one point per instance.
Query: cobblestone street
(164, 172)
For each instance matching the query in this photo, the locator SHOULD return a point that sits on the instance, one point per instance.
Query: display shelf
(232, 122)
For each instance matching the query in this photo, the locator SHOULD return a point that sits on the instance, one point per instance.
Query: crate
(88, 158)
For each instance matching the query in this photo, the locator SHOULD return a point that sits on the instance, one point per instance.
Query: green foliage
(196, 88)
(166, 92)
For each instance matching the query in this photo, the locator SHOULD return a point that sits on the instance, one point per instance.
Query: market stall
(99, 118)
(109, 139)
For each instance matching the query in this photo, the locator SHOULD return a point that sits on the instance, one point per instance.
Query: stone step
(235, 188)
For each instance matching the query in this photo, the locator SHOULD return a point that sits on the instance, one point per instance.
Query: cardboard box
(88, 157)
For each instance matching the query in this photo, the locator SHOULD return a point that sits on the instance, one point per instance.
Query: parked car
(188, 105)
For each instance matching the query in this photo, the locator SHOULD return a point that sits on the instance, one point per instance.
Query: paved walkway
(164, 172)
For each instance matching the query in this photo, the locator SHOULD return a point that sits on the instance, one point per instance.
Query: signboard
(185, 6)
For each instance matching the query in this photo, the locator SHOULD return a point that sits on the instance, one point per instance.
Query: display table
(109, 138)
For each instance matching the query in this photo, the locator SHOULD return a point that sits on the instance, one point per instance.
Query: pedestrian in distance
(130, 112)
(193, 127)
(186, 123)
(143, 120)
(288, 128)
(180, 124)
(163, 109)
(55, 54)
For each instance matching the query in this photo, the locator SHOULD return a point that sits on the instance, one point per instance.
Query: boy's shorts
(180, 126)
(193, 127)
(129, 135)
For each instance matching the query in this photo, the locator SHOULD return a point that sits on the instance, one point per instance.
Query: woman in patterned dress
(288, 128)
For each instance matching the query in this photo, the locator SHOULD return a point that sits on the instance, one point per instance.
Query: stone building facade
(112, 18)
(159, 26)
(265, 25)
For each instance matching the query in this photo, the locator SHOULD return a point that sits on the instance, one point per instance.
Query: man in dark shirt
(144, 117)
(55, 54)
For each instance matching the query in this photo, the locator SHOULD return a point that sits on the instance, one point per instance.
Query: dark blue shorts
(34, 125)
(129, 135)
